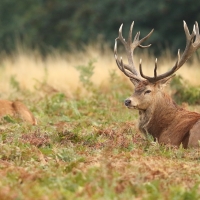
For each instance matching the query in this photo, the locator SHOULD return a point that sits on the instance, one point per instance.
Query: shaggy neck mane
(169, 122)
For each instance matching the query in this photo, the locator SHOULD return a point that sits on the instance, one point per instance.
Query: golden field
(58, 69)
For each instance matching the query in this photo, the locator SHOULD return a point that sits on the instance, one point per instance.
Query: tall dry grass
(58, 69)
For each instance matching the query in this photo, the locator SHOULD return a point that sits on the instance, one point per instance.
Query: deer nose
(127, 102)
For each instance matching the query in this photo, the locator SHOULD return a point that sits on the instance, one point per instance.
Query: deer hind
(159, 115)
(16, 109)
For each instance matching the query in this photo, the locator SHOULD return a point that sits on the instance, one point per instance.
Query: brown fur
(163, 118)
(159, 115)
(170, 123)
(16, 109)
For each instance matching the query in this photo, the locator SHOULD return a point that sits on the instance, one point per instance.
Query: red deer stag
(16, 109)
(159, 115)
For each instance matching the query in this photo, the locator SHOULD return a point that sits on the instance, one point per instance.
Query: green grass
(88, 147)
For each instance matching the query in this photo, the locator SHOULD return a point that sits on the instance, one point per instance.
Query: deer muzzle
(130, 103)
(127, 102)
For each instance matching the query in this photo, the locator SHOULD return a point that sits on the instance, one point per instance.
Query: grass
(86, 144)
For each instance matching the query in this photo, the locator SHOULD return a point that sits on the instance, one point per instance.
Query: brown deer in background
(159, 115)
(16, 109)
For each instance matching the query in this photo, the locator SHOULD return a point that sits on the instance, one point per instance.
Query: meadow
(86, 144)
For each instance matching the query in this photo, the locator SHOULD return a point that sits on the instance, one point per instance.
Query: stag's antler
(130, 70)
(192, 44)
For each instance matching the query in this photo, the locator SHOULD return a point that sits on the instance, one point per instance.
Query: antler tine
(187, 32)
(120, 37)
(130, 75)
(146, 37)
(162, 76)
(192, 44)
(197, 28)
(131, 32)
(151, 79)
(130, 69)
(155, 69)
(197, 41)
(123, 66)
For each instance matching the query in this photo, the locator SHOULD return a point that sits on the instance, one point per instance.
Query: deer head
(147, 89)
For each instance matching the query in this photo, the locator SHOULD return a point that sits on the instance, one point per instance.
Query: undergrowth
(88, 147)
(184, 92)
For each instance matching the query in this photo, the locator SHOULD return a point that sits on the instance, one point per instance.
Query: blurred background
(60, 45)
(69, 24)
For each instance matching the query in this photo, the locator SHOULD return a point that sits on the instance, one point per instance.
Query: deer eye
(147, 92)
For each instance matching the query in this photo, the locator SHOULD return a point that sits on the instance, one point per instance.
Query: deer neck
(158, 116)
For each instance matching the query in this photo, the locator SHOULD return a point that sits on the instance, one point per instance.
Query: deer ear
(134, 81)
